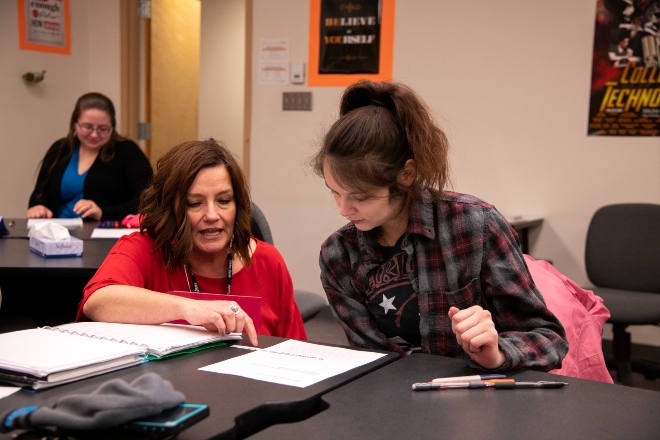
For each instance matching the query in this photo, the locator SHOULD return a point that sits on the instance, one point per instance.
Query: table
(238, 406)
(17, 228)
(46, 290)
(382, 405)
(17, 259)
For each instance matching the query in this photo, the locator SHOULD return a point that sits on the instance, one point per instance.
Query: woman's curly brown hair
(164, 202)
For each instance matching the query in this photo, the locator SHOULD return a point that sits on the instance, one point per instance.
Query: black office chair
(623, 262)
(309, 304)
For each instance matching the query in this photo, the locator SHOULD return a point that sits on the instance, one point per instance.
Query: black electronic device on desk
(163, 426)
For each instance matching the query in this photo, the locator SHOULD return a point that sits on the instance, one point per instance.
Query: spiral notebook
(48, 356)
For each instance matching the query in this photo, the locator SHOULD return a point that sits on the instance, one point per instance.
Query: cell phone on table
(165, 424)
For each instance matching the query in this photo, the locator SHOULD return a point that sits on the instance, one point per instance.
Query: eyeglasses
(86, 129)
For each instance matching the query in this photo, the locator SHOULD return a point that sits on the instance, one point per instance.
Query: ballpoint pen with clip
(494, 384)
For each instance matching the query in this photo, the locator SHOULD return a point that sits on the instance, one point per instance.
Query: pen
(495, 384)
(457, 384)
(540, 384)
(468, 378)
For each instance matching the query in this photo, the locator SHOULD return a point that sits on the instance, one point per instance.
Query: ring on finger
(234, 308)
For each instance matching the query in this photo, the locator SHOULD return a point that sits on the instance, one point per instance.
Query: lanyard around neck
(195, 284)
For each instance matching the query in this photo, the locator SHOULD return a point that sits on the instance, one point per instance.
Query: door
(172, 74)
(161, 74)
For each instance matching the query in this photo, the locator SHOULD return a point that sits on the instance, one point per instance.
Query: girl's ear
(408, 173)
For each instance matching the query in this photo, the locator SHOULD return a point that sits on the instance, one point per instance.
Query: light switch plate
(297, 101)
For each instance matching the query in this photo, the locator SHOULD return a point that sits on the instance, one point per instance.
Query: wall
(509, 82)
(298, 206)
(222, 73)
(32, 117)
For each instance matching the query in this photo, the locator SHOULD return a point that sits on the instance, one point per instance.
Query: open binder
(48, 356)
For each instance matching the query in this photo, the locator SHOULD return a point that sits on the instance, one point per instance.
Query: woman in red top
(195, 237)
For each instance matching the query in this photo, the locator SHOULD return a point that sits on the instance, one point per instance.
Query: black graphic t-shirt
(392, 300)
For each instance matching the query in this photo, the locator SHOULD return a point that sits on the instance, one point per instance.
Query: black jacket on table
(115, 185)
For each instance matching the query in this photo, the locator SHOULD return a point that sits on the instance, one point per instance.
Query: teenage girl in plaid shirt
(419, 268)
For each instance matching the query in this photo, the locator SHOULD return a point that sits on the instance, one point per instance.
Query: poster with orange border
(386, 37)
(44, 26)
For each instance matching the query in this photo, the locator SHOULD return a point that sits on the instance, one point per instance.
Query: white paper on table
(294, 363)
(6, 391)
(69, 223)
(112, 232)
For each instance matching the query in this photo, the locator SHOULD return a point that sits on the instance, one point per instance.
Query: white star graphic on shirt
(387, 304)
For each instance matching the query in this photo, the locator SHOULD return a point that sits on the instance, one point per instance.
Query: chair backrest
(308, 303)
(623, 247)
(259, 224)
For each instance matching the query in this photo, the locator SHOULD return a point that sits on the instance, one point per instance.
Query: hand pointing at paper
(219, 316)
(134, 305)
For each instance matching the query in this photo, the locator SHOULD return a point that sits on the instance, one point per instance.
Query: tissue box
(48, 248)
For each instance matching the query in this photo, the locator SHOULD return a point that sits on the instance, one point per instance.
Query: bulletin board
(350, 41)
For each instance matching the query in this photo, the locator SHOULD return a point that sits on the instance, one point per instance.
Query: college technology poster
(625, 78)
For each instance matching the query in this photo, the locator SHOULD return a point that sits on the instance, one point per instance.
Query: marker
(494, 384)
(469, 378)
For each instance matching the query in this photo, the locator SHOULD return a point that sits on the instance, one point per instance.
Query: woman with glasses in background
(94, 172)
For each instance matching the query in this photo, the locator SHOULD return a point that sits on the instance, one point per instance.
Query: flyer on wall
(625, 76)
(350, 41)
(44, 26)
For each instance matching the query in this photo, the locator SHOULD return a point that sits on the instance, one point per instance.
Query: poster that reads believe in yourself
(625, 76)
(349, 41)
(43, 25)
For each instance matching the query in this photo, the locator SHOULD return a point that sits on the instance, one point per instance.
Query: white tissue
(49, 230)
(52, 240)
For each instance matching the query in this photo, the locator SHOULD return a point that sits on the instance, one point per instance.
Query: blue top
(71, 188)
